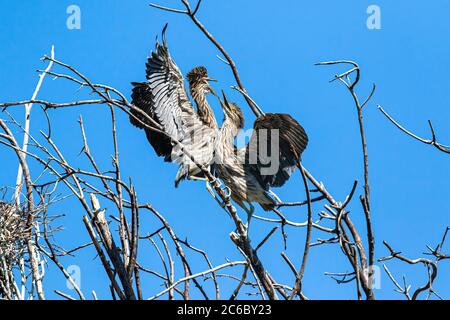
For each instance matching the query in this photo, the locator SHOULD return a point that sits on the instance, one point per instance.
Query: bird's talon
(227, 191)
(214, 181)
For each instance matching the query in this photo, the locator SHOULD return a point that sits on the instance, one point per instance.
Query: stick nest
(12, 234)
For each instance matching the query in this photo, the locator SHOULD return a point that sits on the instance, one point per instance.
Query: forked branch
(433, 141)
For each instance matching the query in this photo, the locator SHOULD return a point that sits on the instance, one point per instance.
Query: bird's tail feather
(181, 175)
(187, 171)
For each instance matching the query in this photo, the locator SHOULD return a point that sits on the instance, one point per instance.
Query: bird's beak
(225, 98)
(225, 105)
(208, 79)
(214, 93)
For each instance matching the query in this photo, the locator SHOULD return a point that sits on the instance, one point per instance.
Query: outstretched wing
(163, 97)
(275, 147)
(142, 98)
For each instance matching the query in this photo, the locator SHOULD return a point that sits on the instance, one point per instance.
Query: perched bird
(249, 172)
(163, 97)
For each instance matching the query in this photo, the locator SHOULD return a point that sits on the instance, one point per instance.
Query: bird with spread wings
(268, 160)
(249, 173)
(164, 98)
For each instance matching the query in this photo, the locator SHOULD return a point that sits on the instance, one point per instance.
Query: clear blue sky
(275, 45)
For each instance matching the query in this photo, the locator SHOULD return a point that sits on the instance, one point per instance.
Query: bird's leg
(208, 184)
(250, 210)
(210, 189)
(226, 190)
(195, 178)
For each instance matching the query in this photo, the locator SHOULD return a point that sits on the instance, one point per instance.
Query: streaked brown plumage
(199, 87)
(163, 97)
(243, 170)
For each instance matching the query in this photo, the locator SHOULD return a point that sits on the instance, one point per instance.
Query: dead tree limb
(433, 141)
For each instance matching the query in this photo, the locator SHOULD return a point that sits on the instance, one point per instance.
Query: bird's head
(198, 79)
(232, 112)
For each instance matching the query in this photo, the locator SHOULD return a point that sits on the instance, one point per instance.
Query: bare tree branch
(433, 141)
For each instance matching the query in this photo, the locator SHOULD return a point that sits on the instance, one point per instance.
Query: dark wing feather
(142, 98)
(163, 98)
(292, 141)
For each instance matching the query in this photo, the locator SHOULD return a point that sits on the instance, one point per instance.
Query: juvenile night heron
(245, 171)
(163, 97)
